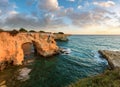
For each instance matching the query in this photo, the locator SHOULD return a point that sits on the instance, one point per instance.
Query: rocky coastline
(61, 36)
(109, 78)
(113, 58)
(11, 46)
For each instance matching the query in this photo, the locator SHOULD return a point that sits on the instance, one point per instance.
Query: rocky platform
(113, 58)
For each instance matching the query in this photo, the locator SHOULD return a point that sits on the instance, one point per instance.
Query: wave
(65, 51)
(98, 57)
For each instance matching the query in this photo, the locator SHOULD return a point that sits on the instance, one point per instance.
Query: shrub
(42, 31)
(1, 30)
(60, 33)
(13, 32)
(32, 31)
(22, 30)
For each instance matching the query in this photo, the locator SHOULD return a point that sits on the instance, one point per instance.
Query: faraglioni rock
(113, 58)
(11, 50)
(60, 37)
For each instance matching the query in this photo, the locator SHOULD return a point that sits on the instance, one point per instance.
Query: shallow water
(64, 69)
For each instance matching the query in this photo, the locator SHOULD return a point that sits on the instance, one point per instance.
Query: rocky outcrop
(60, 37)
(113, 58)
(23, 74)
(11, 50)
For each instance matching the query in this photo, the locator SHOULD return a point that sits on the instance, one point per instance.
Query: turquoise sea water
(64, 69)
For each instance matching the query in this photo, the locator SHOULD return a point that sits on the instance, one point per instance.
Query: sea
(82, 60)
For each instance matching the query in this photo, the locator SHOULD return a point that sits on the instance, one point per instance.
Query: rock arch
(11, 47)
(27, 48)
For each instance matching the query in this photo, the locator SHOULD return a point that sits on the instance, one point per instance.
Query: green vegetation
(22, 30)
(32, 31)
(60, 33)
(42, 31)
(13, 32)
(107, 79)
(1, 30)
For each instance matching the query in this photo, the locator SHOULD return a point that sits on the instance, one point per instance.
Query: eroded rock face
(113, 58)
(11, 46)
(61, 37)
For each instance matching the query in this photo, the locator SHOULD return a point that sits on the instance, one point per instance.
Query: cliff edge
(113, 58)
(11, 50)
(60, 36)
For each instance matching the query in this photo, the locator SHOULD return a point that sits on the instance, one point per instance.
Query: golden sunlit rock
(11, 46)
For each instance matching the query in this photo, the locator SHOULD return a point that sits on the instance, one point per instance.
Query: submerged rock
(2, 84)
(11, 47)
(113, 58)
(24, 74)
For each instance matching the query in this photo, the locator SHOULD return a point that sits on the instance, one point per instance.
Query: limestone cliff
(60, 37)
(11, 46)
(113, 58)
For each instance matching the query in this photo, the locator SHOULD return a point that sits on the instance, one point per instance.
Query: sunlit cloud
(71, 0)
(70, 16)
(105, 4)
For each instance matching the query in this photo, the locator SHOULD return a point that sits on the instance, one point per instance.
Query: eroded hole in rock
(29, 50)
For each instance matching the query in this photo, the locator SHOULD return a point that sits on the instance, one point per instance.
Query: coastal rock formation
(113, 58)
(11, 50)
(60, 37)
(24, 74)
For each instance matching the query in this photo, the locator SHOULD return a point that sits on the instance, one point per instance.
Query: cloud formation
(105, 4)
(6, 7)
(71, 0)
(48, 5)
(79, 7)
(54, 14)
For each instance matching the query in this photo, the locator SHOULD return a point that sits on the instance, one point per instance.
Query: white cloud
(7, 8)
(13, 12)
(71, 0)
(105, 4)
(64, 12)
(48, 5)
(94, 17)
(79, 7)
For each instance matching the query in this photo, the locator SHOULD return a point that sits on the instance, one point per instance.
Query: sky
(68, 16)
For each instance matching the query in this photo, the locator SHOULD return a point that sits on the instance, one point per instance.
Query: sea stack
(60, 36)
(11, 50)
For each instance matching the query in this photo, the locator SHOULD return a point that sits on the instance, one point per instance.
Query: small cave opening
(29, 50)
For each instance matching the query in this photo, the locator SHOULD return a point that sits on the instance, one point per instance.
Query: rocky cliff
(60, 37)
(113, 58)
(11, 50)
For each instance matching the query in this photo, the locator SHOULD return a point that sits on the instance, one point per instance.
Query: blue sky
(69, 16)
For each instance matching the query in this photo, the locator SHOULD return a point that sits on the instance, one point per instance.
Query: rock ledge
(113, 58)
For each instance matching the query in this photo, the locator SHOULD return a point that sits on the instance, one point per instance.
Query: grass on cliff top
(107, 79)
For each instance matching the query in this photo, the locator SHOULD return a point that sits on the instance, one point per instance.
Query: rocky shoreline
(60, 37)
(109, 78)
(113, 58)
(12, 47)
